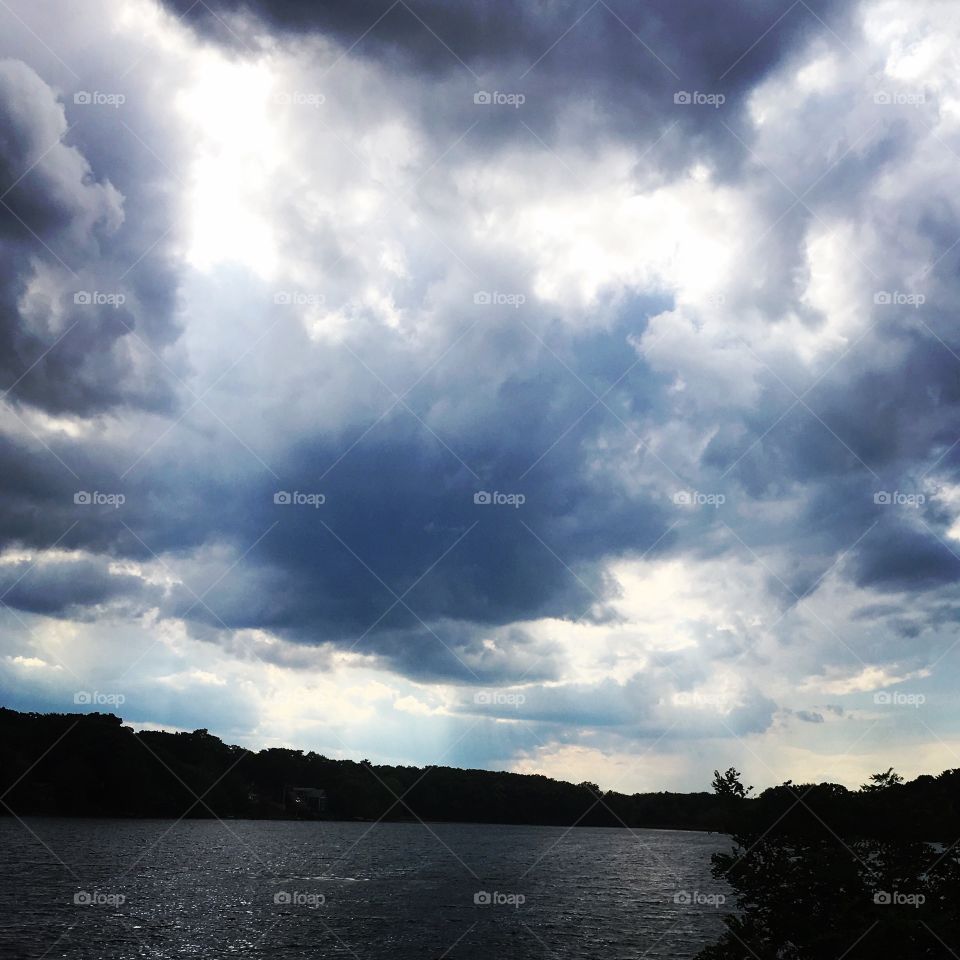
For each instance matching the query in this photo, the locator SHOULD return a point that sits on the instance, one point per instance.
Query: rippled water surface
(289, 890)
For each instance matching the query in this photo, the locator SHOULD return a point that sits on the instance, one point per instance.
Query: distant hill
(92, 765)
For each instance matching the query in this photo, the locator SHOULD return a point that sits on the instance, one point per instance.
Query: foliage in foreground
(824, 873)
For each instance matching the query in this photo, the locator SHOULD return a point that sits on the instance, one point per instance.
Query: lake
(289, 890)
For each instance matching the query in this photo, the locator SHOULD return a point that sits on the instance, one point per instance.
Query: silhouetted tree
(883, 781)
(729, 784)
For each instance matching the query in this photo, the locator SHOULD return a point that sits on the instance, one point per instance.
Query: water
(208, 889)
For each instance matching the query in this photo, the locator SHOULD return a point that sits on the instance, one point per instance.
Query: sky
(568, 388)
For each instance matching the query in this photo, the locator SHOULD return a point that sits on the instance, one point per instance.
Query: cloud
(629, 62)
(641, 410)
(67, 327)
(70, 586)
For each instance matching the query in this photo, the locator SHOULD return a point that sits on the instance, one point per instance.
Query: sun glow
(231, 108)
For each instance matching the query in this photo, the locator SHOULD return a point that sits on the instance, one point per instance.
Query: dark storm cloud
(702, 38)
(77, 337)
(901, 558)
(625, 61)
(460, 651)
(867, 444)
(65, 588)
(400, 561)
(68, 313)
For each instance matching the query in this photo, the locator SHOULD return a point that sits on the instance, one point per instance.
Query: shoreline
(356, 820)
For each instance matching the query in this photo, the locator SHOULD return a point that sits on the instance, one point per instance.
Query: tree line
(93, 765)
